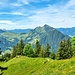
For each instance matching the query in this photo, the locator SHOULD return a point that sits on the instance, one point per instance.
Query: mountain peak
(47, 26)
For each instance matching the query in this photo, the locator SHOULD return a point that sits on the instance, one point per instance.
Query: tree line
(27, 50)
(65, 50)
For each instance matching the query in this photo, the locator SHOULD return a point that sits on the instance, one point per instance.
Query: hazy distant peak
(1, 31)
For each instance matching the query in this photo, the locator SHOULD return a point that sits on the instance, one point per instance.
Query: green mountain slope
(7, 40)
(45, 34)
(36, 66)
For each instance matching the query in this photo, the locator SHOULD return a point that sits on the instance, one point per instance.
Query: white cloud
(73, 16)
(71, 3)
(10, 25)
(25, 1)
(16, 4)
(28, 1)
(7, 22)
(13, 13)
(54, 16)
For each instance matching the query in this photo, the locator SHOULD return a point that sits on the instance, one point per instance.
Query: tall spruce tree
(37, 48)
(19, 47)
(52, 55)
(60, 50)
(42, 51)
(47, 50)
(65, 50)
(73, 45)
(14, 52)
(70, 50)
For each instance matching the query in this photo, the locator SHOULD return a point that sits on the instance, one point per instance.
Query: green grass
(36, 66)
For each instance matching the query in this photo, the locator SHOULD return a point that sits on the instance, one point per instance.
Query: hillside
(8, 40)
(45, 34)
(36, 66)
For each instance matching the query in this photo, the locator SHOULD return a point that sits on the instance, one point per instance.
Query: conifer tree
(65, 50)
(73, 45)
(47, 50)
(19, 47)
(37, 48)
(42, 51)
(52, 55)
(14, 52)
(69, 48)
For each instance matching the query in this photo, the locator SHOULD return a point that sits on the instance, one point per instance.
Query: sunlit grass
(35, 66)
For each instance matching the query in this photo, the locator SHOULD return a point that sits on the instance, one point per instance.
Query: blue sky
(22, 14)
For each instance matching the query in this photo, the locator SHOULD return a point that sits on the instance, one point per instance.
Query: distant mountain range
(67, 31)
(1, 31)
(45, 34)
(19, 30)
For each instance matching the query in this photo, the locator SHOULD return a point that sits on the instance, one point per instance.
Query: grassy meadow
(35, 66)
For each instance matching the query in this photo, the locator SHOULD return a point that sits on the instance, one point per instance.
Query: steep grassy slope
(36, 66)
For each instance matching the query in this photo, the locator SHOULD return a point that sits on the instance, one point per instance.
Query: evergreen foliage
(37, 48)
(65, 50)
(73, 45)
(18, 48)
(14, 52)
(47, 50)
(52, 55)
(42, 52)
